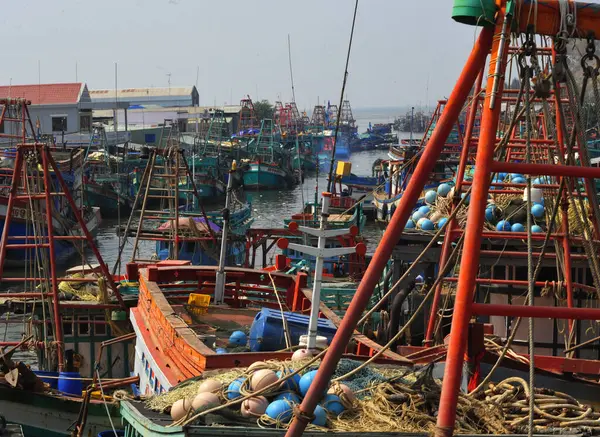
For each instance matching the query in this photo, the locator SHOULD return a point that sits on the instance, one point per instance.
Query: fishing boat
(269, 165)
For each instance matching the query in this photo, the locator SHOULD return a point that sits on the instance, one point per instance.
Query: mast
(220, 276)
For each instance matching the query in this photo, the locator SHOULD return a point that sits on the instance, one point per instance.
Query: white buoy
(180, 409)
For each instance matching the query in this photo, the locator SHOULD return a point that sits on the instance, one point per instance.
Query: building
(55, 107)
(163, 97)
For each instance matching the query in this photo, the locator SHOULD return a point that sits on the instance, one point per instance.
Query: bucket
(111, 433)
(50, 378)
(67, 384)
(536, 195)
(474, 12)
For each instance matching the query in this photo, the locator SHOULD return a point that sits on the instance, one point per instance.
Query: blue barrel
(266, 332)
(68, 385)
(48, 377)
(111, 433)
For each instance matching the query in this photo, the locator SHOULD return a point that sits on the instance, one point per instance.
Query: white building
(165, 97)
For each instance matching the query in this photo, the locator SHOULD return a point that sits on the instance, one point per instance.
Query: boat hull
(43, 415)
(63, 250)
(265, 176)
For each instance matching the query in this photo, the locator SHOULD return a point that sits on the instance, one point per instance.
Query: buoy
(518, 180)
(302, 354)
(503, 225)
(238, 338)
(257, 365)
(467, 200)
(204, 401)
(502, 176)
(333, 404)
(279, 410)
(491, 213)
(233, 391)
(289, 396)
(346, 392)
(424, 210)
(435, 216)
(210, 386)
(537, 210)
(410, 224)
(443, 189)
(441, 222)
(306, 381)
(320, 416)
(262, 378)
(180, 409)
(292, 383)
(221, 350)
(517, 227)
(430, 196)
(515, 175)
(417, 215)
(427, 225)
(254, 407)
(536, 228)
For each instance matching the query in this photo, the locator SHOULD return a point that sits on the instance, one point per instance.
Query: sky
(404, 52)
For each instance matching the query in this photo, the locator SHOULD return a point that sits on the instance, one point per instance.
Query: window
(84, 326)
(67, 326)
(59, 123)
(85, 123)
(99, 326)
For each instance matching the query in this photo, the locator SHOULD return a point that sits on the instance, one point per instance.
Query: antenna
(291, 72)
(76, 72)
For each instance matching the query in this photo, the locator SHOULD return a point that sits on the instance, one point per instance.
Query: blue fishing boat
(64, 223)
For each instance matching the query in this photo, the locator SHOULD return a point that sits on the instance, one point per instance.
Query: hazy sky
(240, 47)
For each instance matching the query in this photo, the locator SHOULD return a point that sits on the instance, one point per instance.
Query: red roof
(44, 94)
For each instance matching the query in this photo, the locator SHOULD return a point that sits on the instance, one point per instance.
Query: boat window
(84, 326)
(99, 326)
(67, 326)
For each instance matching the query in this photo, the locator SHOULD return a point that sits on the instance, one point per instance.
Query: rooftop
(47, 93)
(128, 93)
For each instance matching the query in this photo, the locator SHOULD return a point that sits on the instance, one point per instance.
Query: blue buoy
(238, 338)
(410, 224)
(490, 213)
(424, 210)
(417, 215)
(536, 228)
(503, 225)
(537, 210)
(427, 225)
(517, 227)
(292, 383)
(221, 350)
(279, 410)
(233, 391)
(468, 199)
(289, 396)
(430, 196)
(541, 202)
(519, 180)
(444, 189)
(536, 181)
(502, 176)
(306, 381)
(333, 404)
(515, 176)
(441, 222)
(320, 416)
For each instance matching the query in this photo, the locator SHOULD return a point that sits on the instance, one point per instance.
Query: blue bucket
(48, 377)
(68, 385)
(111, 433)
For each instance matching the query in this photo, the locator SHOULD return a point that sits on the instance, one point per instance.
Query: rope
(286, 333)
(106, 404)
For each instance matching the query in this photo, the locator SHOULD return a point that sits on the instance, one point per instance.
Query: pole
(469, 265)
(448, 237)
(220, 276)
(316, 294)
(412, 117)
(394, 230)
